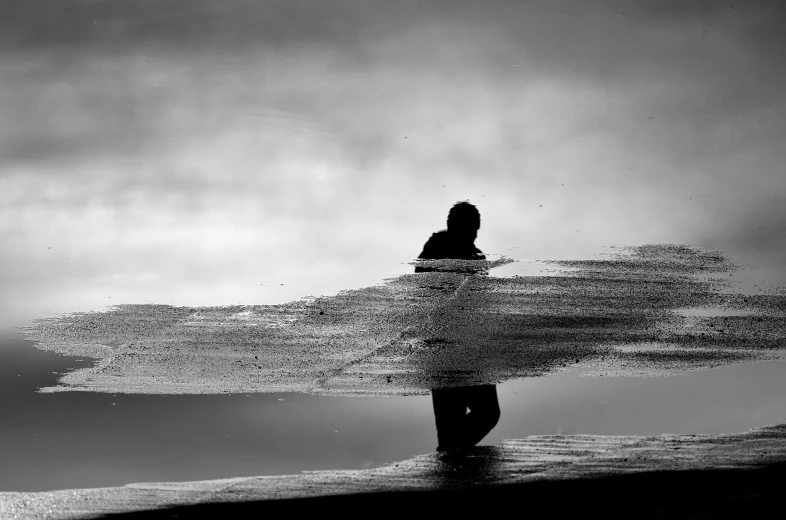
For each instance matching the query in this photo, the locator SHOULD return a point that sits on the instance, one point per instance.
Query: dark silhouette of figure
(456, 242)
(457, 428)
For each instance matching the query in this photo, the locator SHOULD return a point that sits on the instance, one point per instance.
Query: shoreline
(678, 474)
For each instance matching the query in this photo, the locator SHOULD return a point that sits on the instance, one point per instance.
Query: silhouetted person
(456, 242)
(457, 428)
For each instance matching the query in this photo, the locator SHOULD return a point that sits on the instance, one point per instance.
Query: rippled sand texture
(618, 315)
(668, 476)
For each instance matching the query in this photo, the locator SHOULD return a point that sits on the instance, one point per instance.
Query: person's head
(464, 220)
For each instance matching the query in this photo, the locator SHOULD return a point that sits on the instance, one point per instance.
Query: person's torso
(442, 246)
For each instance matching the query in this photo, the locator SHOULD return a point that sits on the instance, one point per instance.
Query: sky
(206, 152)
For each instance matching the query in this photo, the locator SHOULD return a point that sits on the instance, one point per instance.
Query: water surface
(81, 439)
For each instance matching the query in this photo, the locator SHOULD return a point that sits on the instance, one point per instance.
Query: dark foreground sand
(702, 476)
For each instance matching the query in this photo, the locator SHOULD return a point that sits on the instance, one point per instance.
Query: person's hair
(463, 215)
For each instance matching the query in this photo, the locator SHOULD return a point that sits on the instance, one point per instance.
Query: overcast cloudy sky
(206, 151)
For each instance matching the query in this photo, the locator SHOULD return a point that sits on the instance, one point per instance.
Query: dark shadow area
(737, 493)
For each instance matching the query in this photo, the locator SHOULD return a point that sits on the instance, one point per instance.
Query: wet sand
(674, 476)
(623, 315)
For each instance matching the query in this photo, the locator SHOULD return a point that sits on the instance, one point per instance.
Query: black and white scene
(392, 257)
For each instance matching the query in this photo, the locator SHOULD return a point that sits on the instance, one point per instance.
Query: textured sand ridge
(443, 328)
(667, 475)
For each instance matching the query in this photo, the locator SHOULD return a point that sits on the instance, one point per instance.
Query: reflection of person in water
(455, 427)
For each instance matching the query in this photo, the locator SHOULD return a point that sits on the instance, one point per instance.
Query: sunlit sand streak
(420, 331)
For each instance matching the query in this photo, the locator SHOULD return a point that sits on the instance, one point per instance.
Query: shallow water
(81, 439)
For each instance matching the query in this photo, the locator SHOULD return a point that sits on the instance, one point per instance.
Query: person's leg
(483, 413)
(450, 415)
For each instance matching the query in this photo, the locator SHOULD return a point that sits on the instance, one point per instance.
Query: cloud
(370, 77)
(339, 133)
